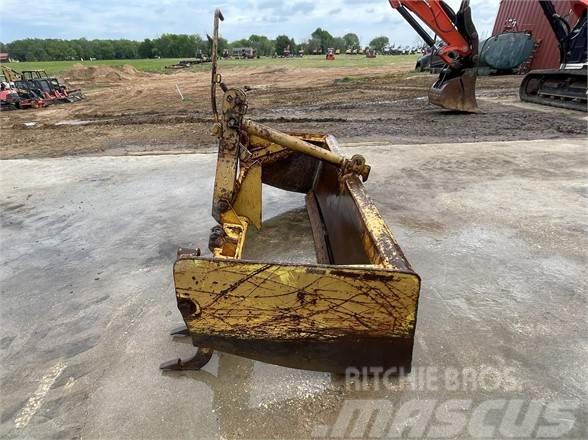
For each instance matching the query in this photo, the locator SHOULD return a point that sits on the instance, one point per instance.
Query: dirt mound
(81, 73)
(130, 70)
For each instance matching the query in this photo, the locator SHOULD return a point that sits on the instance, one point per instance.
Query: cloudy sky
(139, 19)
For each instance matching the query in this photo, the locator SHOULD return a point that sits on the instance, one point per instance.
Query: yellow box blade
(303, 316)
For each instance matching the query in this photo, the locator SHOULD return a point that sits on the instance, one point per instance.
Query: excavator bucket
(456, 87)
(355, 307)
(455, 92)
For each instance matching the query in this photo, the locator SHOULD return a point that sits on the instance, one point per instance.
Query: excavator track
(558, 88)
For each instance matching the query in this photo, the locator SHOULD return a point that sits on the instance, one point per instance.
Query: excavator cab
(355, 307)
(455, 89)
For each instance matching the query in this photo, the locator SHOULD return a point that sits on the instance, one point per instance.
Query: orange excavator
(456, 87)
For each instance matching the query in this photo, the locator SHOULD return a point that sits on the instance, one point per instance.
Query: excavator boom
(455, 88)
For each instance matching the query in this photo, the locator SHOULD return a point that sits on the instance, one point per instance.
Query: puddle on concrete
(285, 238)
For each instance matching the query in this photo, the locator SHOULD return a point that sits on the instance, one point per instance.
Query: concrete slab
(496, 230)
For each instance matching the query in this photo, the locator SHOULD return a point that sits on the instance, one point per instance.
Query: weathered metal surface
(291, 142)
(354, 229)
(270, 303)
(215, 79)
(228, 151)
(255, 299)
(356, 165)
(196, 362)
(528, 16)
(506, 51)
(295, 172)
(248, 199)
(357, 308)
(457, 93)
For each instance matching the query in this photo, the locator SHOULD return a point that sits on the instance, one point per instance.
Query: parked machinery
(564, 87)
(14, 94)
(37, 85)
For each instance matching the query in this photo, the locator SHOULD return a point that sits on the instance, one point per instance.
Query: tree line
(174, 46)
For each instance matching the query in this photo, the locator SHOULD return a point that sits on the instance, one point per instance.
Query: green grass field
(158, 65)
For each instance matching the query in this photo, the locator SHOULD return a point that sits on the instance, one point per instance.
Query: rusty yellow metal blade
(335, 316)
(356, 307)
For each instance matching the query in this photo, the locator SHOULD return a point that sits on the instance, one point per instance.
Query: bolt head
(223, 205)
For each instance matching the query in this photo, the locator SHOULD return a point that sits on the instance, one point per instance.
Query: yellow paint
(264, 300)
(272, 301)
(248, 200)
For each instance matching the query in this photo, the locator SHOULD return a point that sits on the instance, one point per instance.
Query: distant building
(4, 57)
(244, 52)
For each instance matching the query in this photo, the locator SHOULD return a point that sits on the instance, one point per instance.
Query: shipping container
(527, 15)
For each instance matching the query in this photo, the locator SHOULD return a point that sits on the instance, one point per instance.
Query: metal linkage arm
(415, 25)
(215, 77)
(354, 165)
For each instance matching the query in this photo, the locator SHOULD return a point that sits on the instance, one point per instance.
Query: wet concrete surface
(497, 232)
